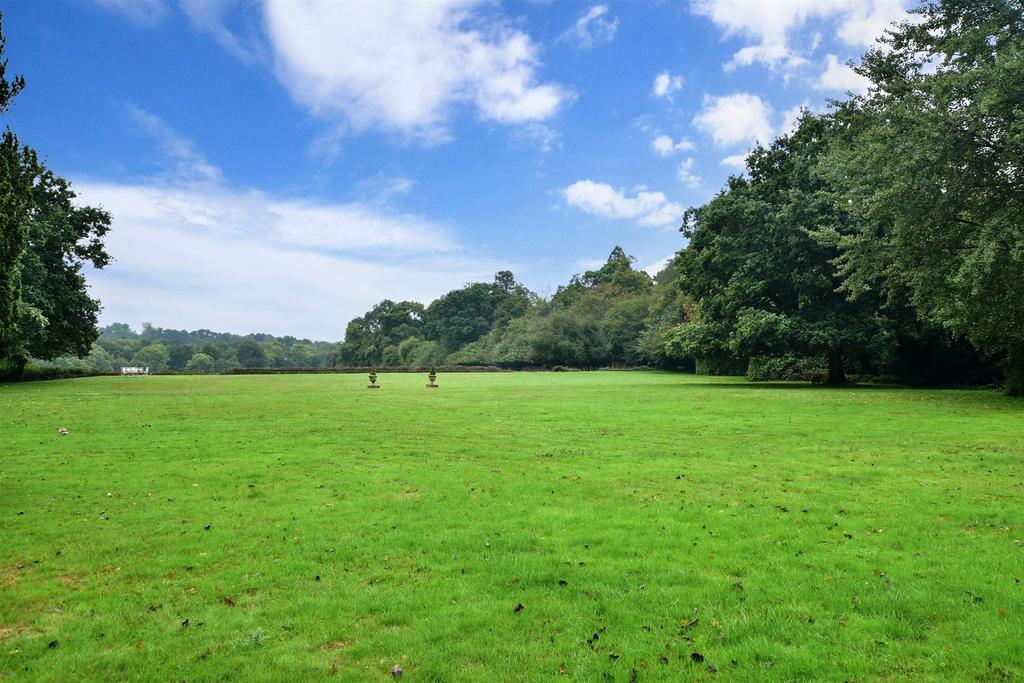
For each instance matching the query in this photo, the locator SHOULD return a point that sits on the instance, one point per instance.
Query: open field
(643, 526)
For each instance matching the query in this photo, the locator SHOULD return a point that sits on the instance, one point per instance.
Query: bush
(718, 366)
(787, 368)
(34, 373)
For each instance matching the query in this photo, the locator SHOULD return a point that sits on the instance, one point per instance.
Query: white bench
(125, 372)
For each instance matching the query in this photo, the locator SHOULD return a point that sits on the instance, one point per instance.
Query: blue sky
(282, 166)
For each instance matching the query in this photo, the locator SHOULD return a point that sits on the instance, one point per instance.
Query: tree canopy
(931, 162)
(45, 241)
(762, 284)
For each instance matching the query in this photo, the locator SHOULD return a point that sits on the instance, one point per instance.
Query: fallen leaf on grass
(228, 601)
(518, 608)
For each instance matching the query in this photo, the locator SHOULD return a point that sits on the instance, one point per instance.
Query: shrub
(787, 368)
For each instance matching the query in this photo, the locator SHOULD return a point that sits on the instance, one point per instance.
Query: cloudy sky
(281, 166)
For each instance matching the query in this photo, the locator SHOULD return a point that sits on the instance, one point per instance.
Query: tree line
(201, 351)
(614, 315)
(889, 228)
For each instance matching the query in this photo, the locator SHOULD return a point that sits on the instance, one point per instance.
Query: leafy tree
(384, 325)
(414, 352)
(250, 354)
(153, 356)
(56, 314)
(301, 355)
(179, 355)
(117, 331)
(45, 240)
(930, 161)
(200, 363)
(762, 285)
(464, 315)
(274, 352)
(667, 310)
(19, 168)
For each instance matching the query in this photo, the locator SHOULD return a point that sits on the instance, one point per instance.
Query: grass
(626, 526)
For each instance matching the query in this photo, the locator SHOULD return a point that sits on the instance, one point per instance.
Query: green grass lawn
(513, 526)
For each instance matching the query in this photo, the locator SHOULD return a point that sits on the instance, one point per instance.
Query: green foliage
(19, 168)
(118, 344)
(415, 352)
(386, 324)
(200, 363)
(45, 241)
(930, 163)
(156, 357)
(787, 368)
(250, 354)
(464, 315)
(762, 285)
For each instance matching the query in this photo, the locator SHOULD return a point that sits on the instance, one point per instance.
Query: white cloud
(734, 119)
(771, 25)
(406, 66)
(645, 207)
(211, 16)
(868, 21)
(244, 261)
(192, 251)
(591, 28)
(791, 117)
(665, 84)
(840, 77)
(585, 264)
(665, 146)
(654, 268)
(686, 175)
(736, 161)
(186, 162)
(380, 187)
(146, 13)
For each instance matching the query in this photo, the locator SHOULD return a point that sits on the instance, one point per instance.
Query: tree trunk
(19, 369)
(1015, 372)
(836, 374)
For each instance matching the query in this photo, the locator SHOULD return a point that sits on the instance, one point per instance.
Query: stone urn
(432, 376)
(373, 380)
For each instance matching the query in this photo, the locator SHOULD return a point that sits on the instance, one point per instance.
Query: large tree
(19, 168)
(464, 315)
(931, 161)
(45, 241)
(762, 285)
(385, 325)
(57, 316)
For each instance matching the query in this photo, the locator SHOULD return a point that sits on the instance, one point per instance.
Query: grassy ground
(628, 526)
